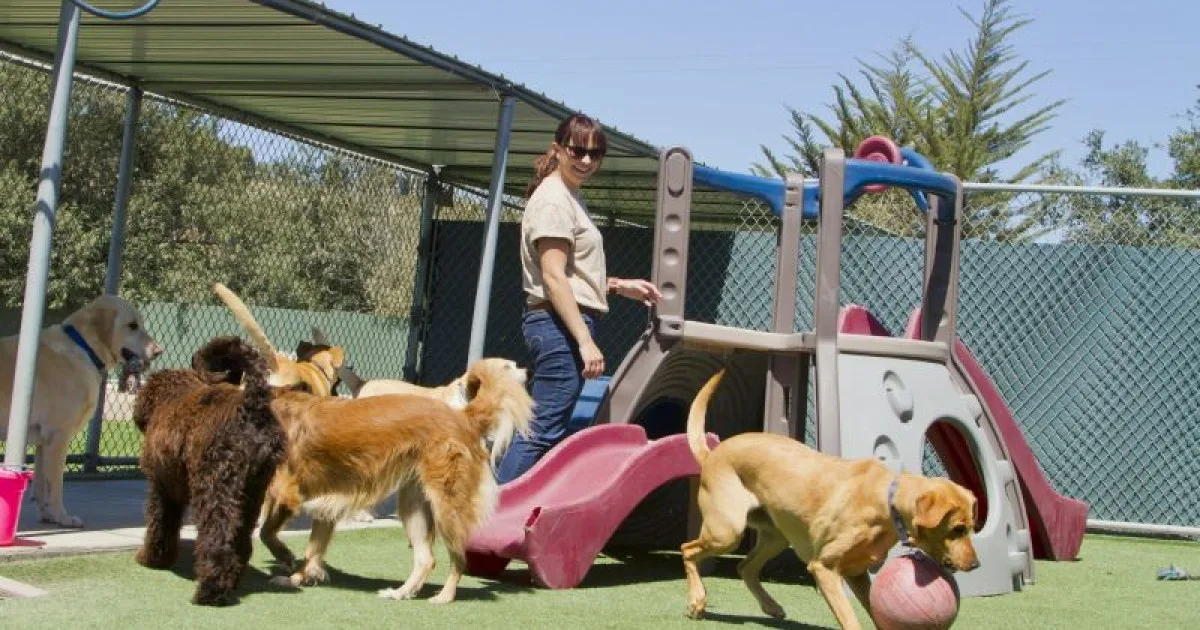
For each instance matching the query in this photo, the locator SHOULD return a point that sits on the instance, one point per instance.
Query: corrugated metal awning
(298, 67)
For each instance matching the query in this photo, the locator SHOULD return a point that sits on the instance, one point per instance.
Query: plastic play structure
(875, 395)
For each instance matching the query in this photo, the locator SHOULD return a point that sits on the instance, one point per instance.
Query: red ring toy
(878, 149)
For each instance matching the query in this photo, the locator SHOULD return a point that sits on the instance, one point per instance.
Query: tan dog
(347, 454)
(454, 393)
(840, 516)
(316, 365)
(107, 332)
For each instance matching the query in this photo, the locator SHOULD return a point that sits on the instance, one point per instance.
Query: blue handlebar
(917, 177)
(768, 190)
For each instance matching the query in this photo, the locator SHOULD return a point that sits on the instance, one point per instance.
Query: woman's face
(576, 163)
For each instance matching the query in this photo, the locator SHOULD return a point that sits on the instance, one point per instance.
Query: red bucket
(12, 492)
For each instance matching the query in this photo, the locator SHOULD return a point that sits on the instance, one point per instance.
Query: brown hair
(577, 129)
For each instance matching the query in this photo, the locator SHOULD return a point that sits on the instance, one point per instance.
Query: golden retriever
(840, 516)
(72, 360)
(454, 393)
(316, 365)
(347, 454)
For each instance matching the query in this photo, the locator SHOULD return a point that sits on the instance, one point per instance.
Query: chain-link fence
(308, 236)
(1087, 331)
(1080, 305)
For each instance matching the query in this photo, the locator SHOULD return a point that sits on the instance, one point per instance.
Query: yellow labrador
(72, 359)
(454, 393)
(840, 516)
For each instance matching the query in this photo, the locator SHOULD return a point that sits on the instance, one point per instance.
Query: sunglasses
(579, 152)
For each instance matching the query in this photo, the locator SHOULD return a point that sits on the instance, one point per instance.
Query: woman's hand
(643, 291)
(593, 359)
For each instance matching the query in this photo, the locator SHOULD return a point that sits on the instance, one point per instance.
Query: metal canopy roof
(298, 67)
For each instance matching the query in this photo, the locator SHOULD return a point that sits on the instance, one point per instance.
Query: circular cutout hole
(899, 398)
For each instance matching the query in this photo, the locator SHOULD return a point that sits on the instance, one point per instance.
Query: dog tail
(695, 422)
(498, 409)
(243, 316)
(239, 362)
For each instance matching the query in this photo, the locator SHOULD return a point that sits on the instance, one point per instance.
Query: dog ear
(304, 349)
(473, 383)
(103, 320)
(338, 356)
(324, 363)
(932, 508)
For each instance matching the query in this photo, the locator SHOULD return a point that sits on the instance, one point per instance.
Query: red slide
(1057, 522)
(560, 513)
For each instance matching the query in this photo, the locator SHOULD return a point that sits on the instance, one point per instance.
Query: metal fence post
(495, 206)
(116, 248)
(419, 313)
(41, 240)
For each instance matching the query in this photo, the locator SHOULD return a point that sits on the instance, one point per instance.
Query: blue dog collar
(897, 521)
(79, 341)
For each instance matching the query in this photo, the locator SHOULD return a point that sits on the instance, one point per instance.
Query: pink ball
(911, 592)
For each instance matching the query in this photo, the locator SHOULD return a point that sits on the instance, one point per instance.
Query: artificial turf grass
(1113, 585)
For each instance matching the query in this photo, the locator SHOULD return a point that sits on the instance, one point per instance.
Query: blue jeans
(557, 383)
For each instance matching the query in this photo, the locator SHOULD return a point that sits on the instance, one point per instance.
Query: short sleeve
(549, 218)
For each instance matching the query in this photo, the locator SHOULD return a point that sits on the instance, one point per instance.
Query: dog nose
(974, 565)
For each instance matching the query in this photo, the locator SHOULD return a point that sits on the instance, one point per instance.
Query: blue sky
(717, 80)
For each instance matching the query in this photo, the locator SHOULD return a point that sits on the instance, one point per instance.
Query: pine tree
(962, 111)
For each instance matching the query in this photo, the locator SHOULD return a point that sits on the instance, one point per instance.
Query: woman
(566, 287)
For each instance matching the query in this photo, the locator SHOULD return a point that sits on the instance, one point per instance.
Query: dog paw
(283, 581)
(441, 599)
(153, 561)
(362, 516)
(310, 576)
(212, 596)
(696, 610)
(396, 593)
(773, 609)
(65, 520)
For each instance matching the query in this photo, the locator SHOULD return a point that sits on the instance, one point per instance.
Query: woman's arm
(553, 254)
(643, 291)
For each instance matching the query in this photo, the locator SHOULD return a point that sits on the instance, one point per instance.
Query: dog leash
(79, 341)
(897, 521)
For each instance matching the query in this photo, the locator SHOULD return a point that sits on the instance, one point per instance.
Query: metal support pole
(418, 318)
(116, 248)
(495, 206)
(40, 242)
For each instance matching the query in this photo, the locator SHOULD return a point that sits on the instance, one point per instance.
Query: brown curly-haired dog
(213, 445)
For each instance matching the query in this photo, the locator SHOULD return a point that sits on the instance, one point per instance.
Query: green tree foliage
(283, 223)
(965, 111)
(1130, 220)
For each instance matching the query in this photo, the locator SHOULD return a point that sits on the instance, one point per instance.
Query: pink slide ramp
(1057, 522)
(559, 514)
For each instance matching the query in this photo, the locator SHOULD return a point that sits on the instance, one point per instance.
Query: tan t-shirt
(554, 211)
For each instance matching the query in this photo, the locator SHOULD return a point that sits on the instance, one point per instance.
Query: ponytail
(542, 167)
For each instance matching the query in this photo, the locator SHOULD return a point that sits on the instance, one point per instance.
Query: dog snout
(970, 564)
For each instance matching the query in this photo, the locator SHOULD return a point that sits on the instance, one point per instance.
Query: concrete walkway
(112, 515)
